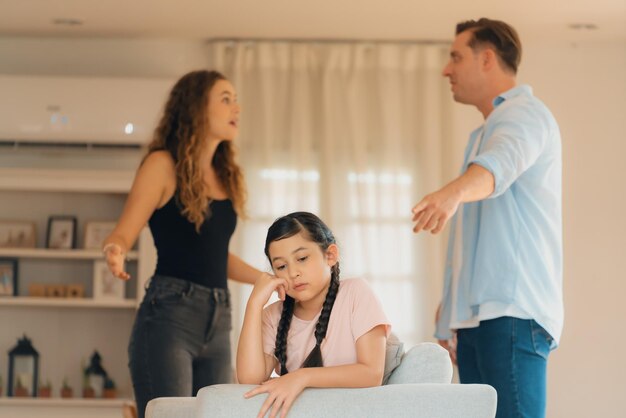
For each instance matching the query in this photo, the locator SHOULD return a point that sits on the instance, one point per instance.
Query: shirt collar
(522, 89)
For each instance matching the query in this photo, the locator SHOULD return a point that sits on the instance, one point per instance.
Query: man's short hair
(497, 34)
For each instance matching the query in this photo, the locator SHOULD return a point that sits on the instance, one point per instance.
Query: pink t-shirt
(356, 311)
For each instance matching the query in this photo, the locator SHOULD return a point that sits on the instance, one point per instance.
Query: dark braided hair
(317, 231)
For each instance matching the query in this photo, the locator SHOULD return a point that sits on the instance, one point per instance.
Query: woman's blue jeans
(180, 341)
(511, 355)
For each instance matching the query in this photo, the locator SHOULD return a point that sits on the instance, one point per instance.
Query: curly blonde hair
(182, 132)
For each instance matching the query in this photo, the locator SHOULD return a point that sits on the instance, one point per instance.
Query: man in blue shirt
(502, 310)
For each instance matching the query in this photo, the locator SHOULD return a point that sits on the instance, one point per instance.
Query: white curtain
(353, 132)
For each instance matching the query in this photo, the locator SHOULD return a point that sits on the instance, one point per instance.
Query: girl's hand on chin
(265, 285)
(281, 393)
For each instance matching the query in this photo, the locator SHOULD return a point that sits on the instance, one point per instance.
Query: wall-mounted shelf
(63, 408)
(28, 301)
(51, 402)
(78, 254)
(60, 180)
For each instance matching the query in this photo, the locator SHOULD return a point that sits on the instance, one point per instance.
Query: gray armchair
(418, 388)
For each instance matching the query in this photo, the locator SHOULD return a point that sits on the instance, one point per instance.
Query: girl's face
(304, 265)
(223, 111)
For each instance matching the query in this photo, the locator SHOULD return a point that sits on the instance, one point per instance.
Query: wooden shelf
(77, 254)
(58, 180)
(29, 301)
(63, 408)
(64, 402)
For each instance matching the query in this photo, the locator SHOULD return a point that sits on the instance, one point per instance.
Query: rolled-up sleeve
(511, 147)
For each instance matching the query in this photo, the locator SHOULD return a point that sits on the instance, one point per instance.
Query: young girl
(189, 190)
(325, 333)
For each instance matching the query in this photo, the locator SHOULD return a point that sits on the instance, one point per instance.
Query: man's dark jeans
(511, 355)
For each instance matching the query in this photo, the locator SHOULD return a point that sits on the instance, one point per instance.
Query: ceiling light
(583, 26)
(67, 21)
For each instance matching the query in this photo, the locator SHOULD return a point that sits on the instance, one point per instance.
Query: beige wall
(101, 57)
(585, 87)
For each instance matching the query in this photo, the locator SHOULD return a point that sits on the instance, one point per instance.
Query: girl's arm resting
(241, 271)
(366, 372)
(253, 365)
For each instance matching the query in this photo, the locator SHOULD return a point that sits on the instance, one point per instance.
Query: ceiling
(312, 19)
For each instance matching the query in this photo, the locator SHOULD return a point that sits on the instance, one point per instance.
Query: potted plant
(110, 391)
(45, 389)
(20, 389)
(88, 391)
(66, 390)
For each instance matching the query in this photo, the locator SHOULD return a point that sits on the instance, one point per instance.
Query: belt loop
(190, 289)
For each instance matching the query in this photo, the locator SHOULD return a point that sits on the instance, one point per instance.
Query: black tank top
(186, 254)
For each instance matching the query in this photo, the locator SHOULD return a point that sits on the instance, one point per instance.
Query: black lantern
(23, 369)
(95, 375)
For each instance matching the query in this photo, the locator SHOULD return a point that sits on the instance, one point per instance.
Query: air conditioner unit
(80, 110)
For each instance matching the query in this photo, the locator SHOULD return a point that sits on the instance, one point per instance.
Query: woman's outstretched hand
(115, 260)
(265, 285)
(281, 393)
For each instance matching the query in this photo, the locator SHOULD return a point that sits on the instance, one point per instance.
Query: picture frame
(17, 234)
(8, 277)
(105, 285)
(96, 232)
(61, 233)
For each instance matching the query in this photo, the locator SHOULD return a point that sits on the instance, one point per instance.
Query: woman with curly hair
(190, 191)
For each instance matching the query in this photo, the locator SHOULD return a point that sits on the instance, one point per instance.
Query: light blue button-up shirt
(511, 258)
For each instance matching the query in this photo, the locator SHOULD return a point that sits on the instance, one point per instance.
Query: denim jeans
(180, 341)
(511, 355)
